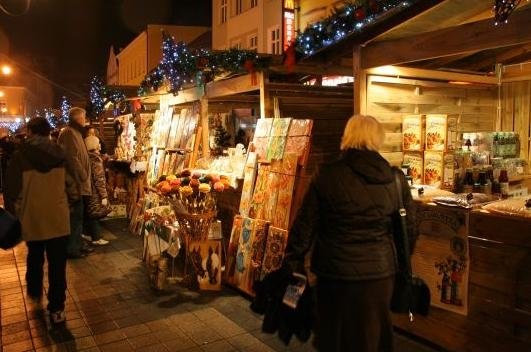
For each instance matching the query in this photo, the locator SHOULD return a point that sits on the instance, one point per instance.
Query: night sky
(68, 40)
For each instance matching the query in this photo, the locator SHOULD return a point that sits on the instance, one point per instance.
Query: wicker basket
(195, 227)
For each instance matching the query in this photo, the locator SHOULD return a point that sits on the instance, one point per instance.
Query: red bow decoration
(290, 58)
(249, 66)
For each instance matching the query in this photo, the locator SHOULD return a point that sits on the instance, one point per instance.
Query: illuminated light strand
(350, 19)
(180, 66)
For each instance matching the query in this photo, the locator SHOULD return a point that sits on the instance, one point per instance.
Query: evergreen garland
(179, 66)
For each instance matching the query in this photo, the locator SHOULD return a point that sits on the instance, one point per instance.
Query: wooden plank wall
(329, 108)
(516, 111)
(390, 98)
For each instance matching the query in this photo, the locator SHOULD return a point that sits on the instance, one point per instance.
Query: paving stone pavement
(110, 307)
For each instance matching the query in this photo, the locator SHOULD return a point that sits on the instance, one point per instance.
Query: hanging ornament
(136, 105)
(290, 57)
(502, 10)
(359, 14)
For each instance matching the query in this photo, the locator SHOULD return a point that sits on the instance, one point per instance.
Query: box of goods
(452, 134)
(415, 161)
(412, 132)
(449, 170)
(436, 130)
(433, 168)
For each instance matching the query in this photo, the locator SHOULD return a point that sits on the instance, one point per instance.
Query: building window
(239, 6)
(223, 10)
(237, 45)
(254, 3)
(274, 40)
(253, 42)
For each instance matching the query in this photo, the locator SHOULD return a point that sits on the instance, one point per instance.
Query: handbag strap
(402, 215)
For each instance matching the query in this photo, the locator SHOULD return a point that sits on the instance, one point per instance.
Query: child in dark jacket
(97, 205)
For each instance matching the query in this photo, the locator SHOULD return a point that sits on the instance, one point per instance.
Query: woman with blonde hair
(346, 217)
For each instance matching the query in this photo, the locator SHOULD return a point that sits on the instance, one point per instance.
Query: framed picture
(204, 263)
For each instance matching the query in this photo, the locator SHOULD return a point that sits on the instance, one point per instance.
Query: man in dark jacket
(347, 217)
(78, 177)
(36, 194)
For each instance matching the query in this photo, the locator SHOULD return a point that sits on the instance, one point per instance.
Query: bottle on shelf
(468, 182)
(504, 184)
(495, 145)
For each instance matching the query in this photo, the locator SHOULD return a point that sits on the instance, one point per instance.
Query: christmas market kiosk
(210, 153)
(451, 82)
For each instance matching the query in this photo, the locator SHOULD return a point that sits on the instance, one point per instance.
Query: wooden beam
(266, 109)
(508, 55)
(231, 86)
(360, 82)
(517, 72)
(443, 62)
(205, 131)
(397, 71)
(461, 39)
(315, 69)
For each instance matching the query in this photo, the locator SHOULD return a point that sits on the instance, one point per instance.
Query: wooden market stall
(449, 58)
(265, 98)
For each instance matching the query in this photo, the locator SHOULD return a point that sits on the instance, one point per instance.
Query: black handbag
(10, 230)
(411, 294)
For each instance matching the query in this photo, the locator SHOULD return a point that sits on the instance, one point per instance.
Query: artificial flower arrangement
(192, 196)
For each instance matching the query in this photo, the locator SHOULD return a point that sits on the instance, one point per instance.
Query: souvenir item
(263, 128)
(277, 240)
(280, 127)
(205, 264)
(416, 167)
(412, 132)
(248, 184)
(433, 168)
(300, 128)
(436, 132)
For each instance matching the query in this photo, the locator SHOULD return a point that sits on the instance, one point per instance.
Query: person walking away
(347, 216)
(36, 194)
(78, 178)
(97, 203)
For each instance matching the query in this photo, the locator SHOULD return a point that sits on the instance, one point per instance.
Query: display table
(495, 315)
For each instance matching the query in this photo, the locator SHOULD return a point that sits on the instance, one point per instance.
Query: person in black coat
(347, 217)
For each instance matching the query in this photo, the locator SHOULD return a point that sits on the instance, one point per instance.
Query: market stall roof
(449, 34)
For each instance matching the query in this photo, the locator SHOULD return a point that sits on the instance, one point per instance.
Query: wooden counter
(499, 291)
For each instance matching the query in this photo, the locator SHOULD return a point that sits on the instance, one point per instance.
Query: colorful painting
(276, 242)
(233, 248)
(281, 217)
(275, 148)
(248, 184)
(270, 202)
(441, 256)
(261, 191)
(173, 130)
(204, 259)
(300, 128)
(180, 129)
(280, 127)
(260, 147)
(243, 259)
(300, 146)
(256, 255)
(263, 128)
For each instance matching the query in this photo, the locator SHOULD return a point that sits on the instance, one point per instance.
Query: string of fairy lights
(180, 66)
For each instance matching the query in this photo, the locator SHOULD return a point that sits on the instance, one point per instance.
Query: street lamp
(6, 70)
(2, 94)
